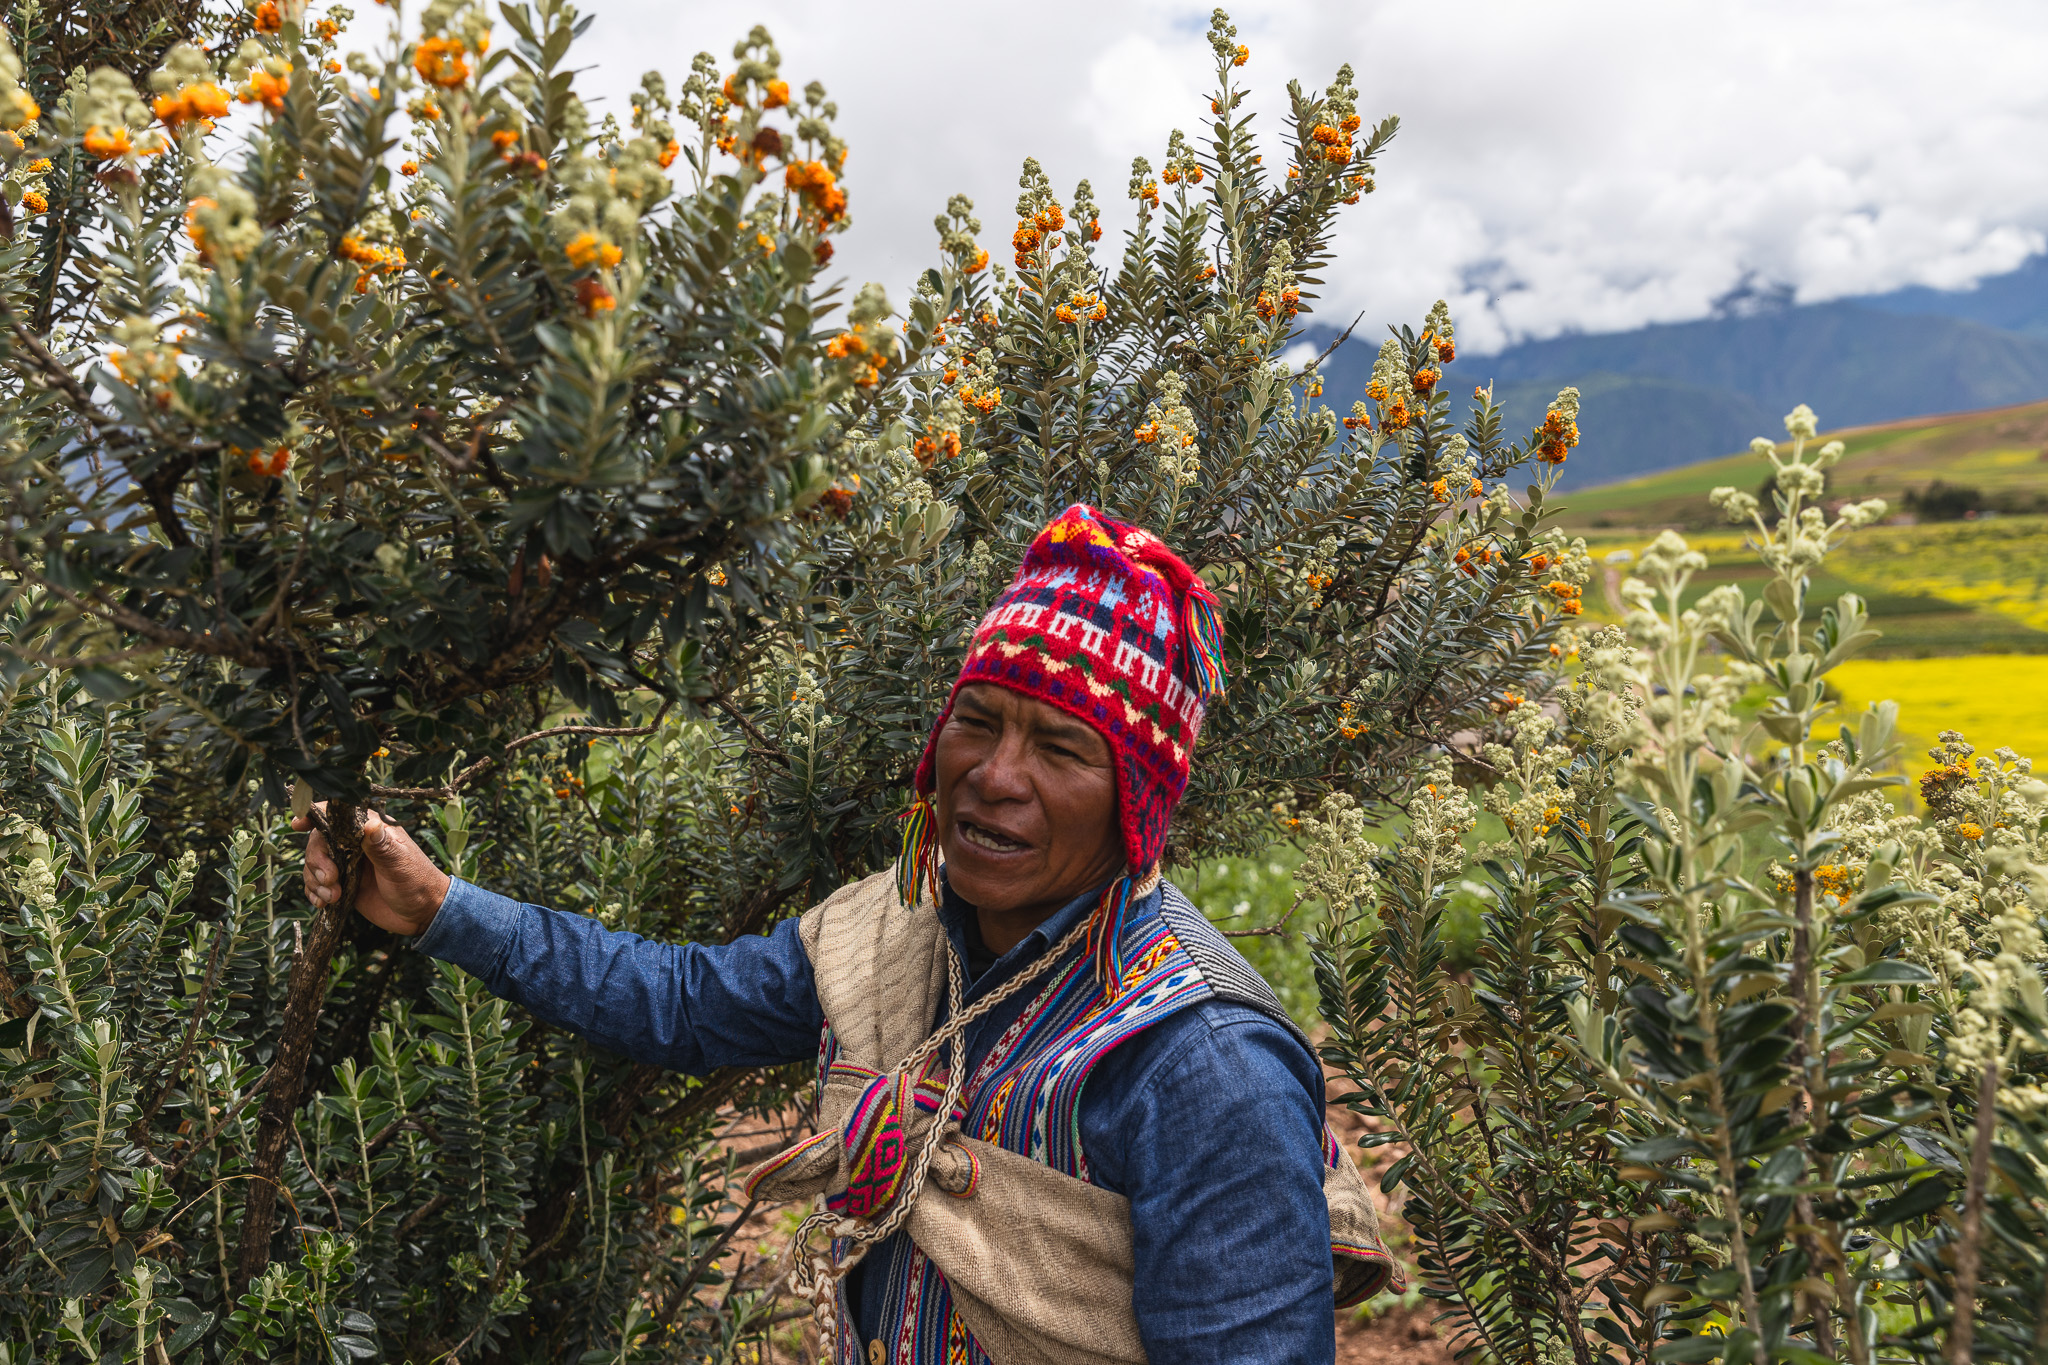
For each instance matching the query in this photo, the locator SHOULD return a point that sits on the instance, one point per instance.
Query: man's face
(1026, 803)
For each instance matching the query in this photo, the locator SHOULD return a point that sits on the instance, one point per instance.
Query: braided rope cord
(817, 1276)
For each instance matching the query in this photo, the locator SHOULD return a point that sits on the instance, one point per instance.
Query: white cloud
(1574, 164)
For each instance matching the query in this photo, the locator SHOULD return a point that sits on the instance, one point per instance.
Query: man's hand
(400, 889)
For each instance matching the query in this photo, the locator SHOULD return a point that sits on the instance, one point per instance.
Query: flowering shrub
(447, 448)
(1749, 1067)
(1380, 581)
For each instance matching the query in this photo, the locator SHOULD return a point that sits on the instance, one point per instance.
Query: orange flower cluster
(110, 143)
(983, 401)
(1356, 184)
(408, 168)
(193, 228)
(1024, 241)
(1567, 595)
(1037, 230)
(1507, 702)
(774, 94)
(1425, 380)
(1287, 305)
(1940, 786)
(265, 89)
(670, 153)
(1082, 307)
(928, 449)
(837, 501)
(265, 463)
(1837, 880)
(1537, 562)
(585, 250)
(978, 262)
(819, 189)
(34, 202)
(1446, 349)
(1470, 562)
(846, 344)
(1970, 830)
(1336, 147)
(593, 297)
(1171, 175)
(1358, 421)
(444, 61)
(374, 260)
(327, 29)
(1150, 194)
(268, 19)
(505, 138)
(199, 103)
(1241, 56)
(1556, 437)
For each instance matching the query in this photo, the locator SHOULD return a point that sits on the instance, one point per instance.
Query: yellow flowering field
(1994, 699)
(2001, 564)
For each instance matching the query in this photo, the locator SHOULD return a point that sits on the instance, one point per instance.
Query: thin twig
(262, 1084)
(462, 779)
(1962, 1317)
(1275, 929)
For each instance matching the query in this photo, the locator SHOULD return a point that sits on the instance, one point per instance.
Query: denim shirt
(1210, 1122)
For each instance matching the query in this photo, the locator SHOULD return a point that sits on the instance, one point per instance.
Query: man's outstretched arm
(688, 1007)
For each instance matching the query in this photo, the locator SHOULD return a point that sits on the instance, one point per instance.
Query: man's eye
(1061, 751)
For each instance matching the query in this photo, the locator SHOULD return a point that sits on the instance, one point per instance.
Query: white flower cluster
(1171, 425)
(1603, 701)
(1440, 815)
(1527, 795)
(1336, 866)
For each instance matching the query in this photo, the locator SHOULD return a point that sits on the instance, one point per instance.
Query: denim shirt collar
(954, 911)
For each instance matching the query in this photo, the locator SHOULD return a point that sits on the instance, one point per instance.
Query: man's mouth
(985, 838)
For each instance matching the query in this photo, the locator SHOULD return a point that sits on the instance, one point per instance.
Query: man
(1060, 1118)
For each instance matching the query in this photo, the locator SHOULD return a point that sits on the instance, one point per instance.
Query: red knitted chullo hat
(1107, 624)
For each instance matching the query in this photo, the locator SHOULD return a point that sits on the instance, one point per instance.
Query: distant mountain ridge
(1672, 394)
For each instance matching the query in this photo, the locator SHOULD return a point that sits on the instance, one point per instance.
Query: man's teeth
(981, 838)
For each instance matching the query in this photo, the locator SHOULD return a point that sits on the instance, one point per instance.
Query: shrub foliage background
(441, 447)
(1749, 1065)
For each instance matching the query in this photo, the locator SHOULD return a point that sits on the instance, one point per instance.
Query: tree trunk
(342, 825)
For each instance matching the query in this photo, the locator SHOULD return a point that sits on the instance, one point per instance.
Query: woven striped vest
(1023, 1098)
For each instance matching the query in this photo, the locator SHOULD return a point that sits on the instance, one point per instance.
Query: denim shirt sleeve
(1213, 1130)
(688, 1007)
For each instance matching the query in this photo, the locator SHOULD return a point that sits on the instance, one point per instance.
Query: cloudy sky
(1562, 165)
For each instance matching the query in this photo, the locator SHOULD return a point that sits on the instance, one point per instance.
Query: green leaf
(1888, 971)
(1918, 1200)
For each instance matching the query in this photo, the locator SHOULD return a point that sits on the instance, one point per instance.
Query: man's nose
(1002, 776)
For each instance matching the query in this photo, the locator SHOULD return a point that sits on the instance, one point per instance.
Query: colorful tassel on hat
(917, 866)
(1205, 644)
(1106, 937)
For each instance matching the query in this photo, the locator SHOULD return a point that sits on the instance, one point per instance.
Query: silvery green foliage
(1750, 1066)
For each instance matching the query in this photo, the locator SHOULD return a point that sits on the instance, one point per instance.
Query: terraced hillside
(2000, 452)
